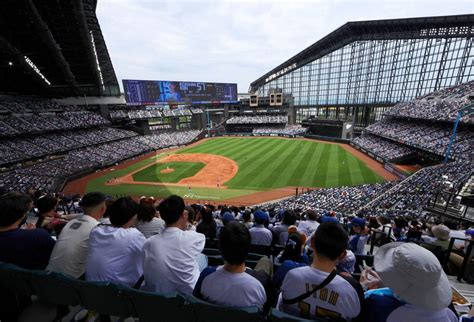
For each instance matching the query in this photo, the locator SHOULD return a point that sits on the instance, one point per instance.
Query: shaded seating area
(109, 299)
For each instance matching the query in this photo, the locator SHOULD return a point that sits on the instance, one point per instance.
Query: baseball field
(237, 169)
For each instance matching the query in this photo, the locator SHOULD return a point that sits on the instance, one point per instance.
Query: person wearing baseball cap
(358, 240)
(417, 289)
(260, 234)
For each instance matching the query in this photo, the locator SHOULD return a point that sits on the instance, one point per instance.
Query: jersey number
(319, 311)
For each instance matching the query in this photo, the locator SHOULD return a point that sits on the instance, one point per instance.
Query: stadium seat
(14, 279)
(252, 260)
(207, 312)
(277, 249)
(54, 288)
(210, 243)
(277, 316)
(105, 298)
(15, 291)
(149, 306)
(261, 249)
(211, 252)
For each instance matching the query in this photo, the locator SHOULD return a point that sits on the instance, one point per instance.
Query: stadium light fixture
(36, 69)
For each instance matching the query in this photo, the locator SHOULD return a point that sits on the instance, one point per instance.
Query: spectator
(309, 226)
(149, 222)
(336, 296)
(191, 218)
(260, 234)
(292, 256)
(233, 284)
(70, 252)
(347, 264)
(247, 219)
(49, 219)
(280, 232)
(358, 241)
(418, 289)
(27, 248)
(208, 225)
(441, 234)
(172, 260)
(115, 251)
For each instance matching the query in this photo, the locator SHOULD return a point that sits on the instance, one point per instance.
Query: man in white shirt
(115, 251)
(69, 255)
(171, 259)
(340, 298)
(233, 284)
(260, 234)
(309, 226)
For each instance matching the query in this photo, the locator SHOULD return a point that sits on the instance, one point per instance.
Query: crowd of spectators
(342, 200)
(431, 137)
(287, 130)
(454, 92)
(384, 148)
(264, 119)
(411, 196)
(149, 113)
(87, 154)
(437, 110)
(443, 105)
(16, 124)
(20, 106)
(163, 251)
(39, 145)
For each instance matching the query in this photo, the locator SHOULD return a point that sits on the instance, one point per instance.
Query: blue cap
(360, 222)
(260, 216)
(227, 217)
(329, 219)
(470, 232)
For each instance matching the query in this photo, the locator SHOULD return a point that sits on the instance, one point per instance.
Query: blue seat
(15, 279)
(278, 316)
(158, 307)
(105, 298)
(207, 312)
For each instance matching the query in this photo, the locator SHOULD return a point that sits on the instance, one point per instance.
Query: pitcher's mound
(168, 170)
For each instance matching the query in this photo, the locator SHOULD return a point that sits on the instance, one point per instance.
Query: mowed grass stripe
(209, 146)
(332, 173)
(321, 168)
(355, 170)
(306, 153)
(244, 149)
(278, 173)
(250, 173)
(253, 156)
(307, 177)
(295, 175)
(344, 178)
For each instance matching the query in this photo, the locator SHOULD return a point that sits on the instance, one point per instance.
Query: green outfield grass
(269, 163)
(181, 170)
(264, 163)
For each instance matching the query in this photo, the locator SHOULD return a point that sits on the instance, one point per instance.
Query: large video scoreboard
(145, 92)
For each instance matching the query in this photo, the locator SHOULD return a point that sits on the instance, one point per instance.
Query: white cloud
(233, 41)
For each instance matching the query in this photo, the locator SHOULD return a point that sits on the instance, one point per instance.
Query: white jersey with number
(338, 299)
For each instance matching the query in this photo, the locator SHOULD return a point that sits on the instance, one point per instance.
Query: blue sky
(233, 41)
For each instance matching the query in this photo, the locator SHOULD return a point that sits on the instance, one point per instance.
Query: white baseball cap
(414, 274)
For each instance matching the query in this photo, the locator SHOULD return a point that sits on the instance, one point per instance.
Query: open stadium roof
(409, 28)
(54, 48)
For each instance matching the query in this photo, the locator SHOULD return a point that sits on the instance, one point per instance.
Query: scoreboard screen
(145, 92)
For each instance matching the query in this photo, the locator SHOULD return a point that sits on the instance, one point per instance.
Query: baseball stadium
(337, 187)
